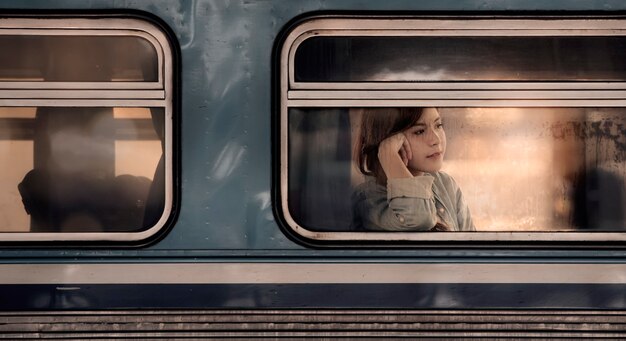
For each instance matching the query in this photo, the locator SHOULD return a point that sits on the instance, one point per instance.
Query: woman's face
(428, 143)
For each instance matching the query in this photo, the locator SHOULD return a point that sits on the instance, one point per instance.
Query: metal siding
(303, 323)
(225, 129)
(312, 296)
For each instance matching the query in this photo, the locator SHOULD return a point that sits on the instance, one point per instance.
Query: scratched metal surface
(225, 123)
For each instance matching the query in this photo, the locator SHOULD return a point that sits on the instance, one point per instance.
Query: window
(85, 129)
(534, 112)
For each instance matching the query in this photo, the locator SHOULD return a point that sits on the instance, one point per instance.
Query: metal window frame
(295, 94)
(97, 94)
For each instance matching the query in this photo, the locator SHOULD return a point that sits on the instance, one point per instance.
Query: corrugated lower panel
(245, 324)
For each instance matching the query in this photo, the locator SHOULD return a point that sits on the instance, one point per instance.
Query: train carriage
(186, 169)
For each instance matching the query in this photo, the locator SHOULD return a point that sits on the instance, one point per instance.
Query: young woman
(401, 151)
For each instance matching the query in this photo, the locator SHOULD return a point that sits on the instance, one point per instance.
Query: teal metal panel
(225, 117)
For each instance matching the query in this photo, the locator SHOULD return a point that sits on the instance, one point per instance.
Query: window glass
(55, 58)
(442, 58)
(519, 169)
(76, 169)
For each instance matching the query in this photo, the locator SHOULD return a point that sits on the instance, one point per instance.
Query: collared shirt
(411, 204)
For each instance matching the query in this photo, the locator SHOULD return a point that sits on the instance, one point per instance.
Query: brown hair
(376, 125)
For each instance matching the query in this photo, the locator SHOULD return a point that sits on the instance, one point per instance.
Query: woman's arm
(406, 205)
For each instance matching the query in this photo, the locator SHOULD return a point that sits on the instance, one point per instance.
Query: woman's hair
(376, 125)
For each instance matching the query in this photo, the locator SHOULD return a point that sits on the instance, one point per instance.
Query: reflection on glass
(407, 59)
(77, 58)
(81, 169)
(520, 169)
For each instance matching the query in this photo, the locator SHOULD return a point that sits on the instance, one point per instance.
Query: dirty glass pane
(520, 169)
(77, 58)
(414, 59)
(81, 169)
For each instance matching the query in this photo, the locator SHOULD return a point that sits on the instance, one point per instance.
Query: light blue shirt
(411, 204)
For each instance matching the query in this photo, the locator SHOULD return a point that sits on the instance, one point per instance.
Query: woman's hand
(394, 154)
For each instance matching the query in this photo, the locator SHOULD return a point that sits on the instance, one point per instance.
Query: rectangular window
(534, 115)
(437, 58)
(520, 169)
(53, 58)
(85, 129)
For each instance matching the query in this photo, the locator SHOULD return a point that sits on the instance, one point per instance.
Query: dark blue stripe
(404, 296)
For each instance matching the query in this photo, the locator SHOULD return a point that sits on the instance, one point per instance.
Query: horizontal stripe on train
(286, 273)
(300, 296)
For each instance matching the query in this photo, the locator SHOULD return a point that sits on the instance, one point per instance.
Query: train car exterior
(184, 169)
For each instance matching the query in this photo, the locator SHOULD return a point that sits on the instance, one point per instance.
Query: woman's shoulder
(442, 176)
(445, 180)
